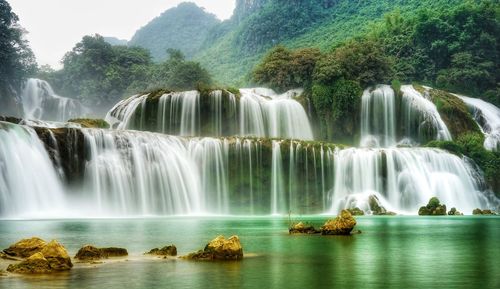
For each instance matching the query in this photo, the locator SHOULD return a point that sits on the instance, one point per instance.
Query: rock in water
(114, 252)
(170, 250)
(341, 225)
(57, 256)
(35, 264)
(219, 249)
(356, 211)
(25, 248)
(376, 208)
(483, 212)
(91, 253)
(433, 208)
(301, 228)
(454, 212)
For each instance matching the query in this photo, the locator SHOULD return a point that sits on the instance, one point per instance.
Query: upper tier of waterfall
(488, 117)
(41, 103)
(131, 173)
(383, 124)
(254, 112)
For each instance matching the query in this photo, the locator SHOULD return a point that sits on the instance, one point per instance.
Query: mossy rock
(454, 113)
(169, 250)
(433, 208)
(90, 122)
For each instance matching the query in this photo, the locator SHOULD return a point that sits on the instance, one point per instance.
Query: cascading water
(29, 185)
(265, 114)
(378, 112)
(488, 117)
(419, 122)
(40, 102)
(257, 112)
(421, 118)
(403, 179)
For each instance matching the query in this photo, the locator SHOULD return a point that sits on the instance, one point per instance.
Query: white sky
(55, 26)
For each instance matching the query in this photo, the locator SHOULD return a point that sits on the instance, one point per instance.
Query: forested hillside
(257, 26)
(184, 27)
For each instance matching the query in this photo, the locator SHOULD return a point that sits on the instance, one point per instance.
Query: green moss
(90, 122)
(454, 113)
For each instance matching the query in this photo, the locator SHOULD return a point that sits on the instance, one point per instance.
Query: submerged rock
(454, 212)
(301, 228)
(170, 250)
(433, 208)
(35, 264)
(341, 225)
(356, 211)
(25, 248)
(91, 253)
(483, 212)
(219, 249)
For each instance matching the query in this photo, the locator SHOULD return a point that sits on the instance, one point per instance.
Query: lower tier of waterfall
(94, 173)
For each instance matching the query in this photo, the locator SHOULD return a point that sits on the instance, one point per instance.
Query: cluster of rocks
(453, 212)
(433, 208)
(343, 224)
(219, 248)
(483, 212)
(169, 250)
(38, 256)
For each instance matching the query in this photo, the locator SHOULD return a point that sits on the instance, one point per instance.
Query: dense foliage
(184, 27)
(99, 73)
(238, 44)
(16, 58)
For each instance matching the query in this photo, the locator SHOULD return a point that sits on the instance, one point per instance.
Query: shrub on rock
(341, 225)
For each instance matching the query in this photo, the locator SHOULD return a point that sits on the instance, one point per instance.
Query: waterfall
(263, 113)
(421, 118)
(132, 173)
(378, 117)
(419, 122)
(488, 118)
(29, 184)
(257, 112)
(403, 179)
(40, 102)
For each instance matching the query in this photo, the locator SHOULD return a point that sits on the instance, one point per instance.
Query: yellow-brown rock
(35, 264)
(341, 225)
(57, 256)
(25, 248)
(220, 248)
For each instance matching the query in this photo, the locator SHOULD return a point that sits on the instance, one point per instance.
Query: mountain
(184, 27)
(233, 47)
(115, 41)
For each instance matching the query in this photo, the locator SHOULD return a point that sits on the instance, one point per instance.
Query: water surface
(392, 252)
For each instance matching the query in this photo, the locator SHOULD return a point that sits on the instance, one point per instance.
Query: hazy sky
(55, 26)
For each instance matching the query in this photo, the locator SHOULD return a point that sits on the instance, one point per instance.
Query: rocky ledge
(219, 248)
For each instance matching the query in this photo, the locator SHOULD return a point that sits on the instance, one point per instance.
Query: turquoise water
(392, 252)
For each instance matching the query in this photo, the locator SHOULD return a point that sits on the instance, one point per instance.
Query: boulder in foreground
(219, 248)
(341, 225)
(52, 257)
